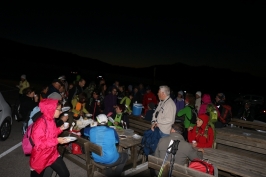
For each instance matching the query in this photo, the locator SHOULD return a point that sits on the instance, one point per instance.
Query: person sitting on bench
(107, 138)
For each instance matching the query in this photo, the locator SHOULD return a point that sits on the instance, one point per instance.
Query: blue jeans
(163, 134)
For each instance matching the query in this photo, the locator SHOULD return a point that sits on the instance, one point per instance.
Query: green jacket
(186, 112)
(127, 102)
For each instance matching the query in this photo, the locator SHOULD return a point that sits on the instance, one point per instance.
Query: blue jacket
(106, 138)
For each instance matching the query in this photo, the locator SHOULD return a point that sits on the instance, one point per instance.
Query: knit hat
(180, 92)
(23, 76)
(198, 93)
(55, 96)
(62, 77)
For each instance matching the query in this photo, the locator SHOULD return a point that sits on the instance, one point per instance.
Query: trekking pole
(161, 169)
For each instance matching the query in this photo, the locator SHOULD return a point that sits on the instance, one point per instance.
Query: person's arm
(210, 139)
(192, 134)
(116, 137)
(39, 138)
(87, 131)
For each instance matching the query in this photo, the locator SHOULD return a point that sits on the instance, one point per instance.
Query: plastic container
(128, 132)
(137, 109)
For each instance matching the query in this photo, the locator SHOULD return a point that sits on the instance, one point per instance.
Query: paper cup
(194, 141)
(66, 124)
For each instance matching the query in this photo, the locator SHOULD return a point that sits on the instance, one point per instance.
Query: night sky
(226, 35)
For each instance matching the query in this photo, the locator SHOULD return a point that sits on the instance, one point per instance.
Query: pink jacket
(206, 99)
(44, 135)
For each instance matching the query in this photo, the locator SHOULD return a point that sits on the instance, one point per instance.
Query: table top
(129, 141)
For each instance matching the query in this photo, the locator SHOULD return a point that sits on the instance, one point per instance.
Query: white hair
(165, 89)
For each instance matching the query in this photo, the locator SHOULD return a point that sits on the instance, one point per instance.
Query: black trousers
(58, 166)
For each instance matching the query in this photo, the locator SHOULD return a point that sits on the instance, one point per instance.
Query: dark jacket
(26, 106)
(246, 114)
(109, 102)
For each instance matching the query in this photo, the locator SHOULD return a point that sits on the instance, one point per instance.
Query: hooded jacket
(204, 139)
(206, 99)
(44, 136)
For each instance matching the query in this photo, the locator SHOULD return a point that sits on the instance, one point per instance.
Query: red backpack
(202, 165)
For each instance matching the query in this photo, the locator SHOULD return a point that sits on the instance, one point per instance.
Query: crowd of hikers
(190, 118)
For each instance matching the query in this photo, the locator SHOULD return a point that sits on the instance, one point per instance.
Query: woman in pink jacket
(45, 138)
(206, 99)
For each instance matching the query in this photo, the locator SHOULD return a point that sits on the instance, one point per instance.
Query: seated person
(107, 138)
(149, 113)
(78, 105)
(120, 118)
(246, 112)
(185, 150)
(202, 133)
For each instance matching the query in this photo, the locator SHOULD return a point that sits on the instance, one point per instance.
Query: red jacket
(204, 140)
(44, 135)
(147, 98)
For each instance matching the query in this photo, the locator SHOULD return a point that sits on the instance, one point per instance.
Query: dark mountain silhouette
(46, 64)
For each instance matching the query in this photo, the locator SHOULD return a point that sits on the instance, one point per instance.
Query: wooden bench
(247, 124)
(138, 124)
(92, 166)
(232, 164)
(244, 142)
(178, 170)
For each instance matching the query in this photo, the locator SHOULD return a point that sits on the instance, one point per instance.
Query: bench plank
(235, 164)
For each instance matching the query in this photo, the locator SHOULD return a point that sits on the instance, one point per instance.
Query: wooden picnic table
(132, 144)
(247, 124)
(242, 141)
(234, 164)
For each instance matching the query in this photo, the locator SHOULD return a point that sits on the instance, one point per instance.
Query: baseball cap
(102, 119)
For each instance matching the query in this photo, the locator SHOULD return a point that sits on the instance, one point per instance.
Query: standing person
(246, 112)
(44, 153)
(164, 115)
(186, 112)
(54, 87)
(107, 138)
(179, 101)
(76, 90)
(137, 98)
(150, 112)
(149, 97)
(198, 100)
(28, 101)
(23, 83)
(127, 102)
(93, 105)
(110, 102)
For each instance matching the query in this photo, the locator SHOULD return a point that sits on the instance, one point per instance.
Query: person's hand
(153, 126)
(201, 150)
(62, 140)
(36, 98)
(116, 123)
(189, 128)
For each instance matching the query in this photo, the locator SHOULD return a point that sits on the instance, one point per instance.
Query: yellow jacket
(23, 85)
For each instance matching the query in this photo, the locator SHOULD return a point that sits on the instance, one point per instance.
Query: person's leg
(35, 174)
(121, 163)
(60, 168)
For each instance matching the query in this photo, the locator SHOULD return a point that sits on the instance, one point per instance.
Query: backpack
(194, 115)
(225, 114)
(212, 113)
(203, 166)
(150, 141)
(27, 143)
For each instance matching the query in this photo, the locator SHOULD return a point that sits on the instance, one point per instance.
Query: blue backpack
(150, 141)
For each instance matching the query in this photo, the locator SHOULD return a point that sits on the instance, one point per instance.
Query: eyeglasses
(60, 110)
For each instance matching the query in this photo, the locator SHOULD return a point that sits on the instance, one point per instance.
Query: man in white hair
(164, 115)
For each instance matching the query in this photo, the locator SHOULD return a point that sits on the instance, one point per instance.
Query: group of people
(115, 101)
